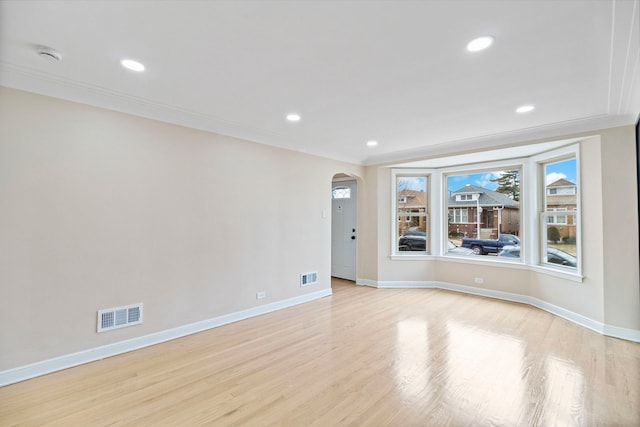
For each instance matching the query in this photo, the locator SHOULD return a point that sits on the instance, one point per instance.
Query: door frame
(335, 179)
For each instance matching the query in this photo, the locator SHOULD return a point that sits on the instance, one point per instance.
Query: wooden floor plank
(362, 357)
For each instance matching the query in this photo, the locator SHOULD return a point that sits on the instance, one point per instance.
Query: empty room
(319, 213)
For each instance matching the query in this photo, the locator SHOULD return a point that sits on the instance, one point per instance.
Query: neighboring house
(562, 198)
(498, 213)
(411, 211)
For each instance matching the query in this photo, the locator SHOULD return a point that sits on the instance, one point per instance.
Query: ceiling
(396, 72)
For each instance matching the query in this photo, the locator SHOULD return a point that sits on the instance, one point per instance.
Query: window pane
(341, 193)
(484, 211)
(560, 211)
(411, 206)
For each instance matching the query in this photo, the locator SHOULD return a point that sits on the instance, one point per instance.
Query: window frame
(520, 164)
(543, 214)
(396, 219)
(532, 194)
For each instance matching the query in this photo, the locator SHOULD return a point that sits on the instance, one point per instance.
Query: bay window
(538, 224)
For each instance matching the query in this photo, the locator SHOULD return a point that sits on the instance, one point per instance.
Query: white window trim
(537, 163)
(395, 253)
(521, 164)
(532, 186)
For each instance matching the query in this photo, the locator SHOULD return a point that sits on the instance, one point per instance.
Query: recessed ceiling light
(132, 65)
(372, 143)
(293, 117)
(480, 43)
(525, 109)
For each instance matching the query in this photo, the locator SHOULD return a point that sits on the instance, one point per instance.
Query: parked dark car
(417, 241)
(490, 246)
(554, 255)
(413, 241)
(557, 256)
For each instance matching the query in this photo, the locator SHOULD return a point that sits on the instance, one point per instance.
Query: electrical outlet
(261, 295)
(478, 280)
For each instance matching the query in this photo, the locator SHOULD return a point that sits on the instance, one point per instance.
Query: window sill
(556, 272)
(417, 257)
(484, 260)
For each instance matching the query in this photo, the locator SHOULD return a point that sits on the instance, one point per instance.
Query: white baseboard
(579, 319)
(398, 284)
(367, 282)
(22, 373)
(623, 333)
(63, 362)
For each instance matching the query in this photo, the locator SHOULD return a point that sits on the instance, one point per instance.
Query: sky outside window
(561, 170)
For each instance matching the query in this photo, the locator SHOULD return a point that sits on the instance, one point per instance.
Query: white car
(459, 250)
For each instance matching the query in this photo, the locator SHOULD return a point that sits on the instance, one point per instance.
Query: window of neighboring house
(411, 208)
(460, 215)
(557, 219)
(341, 193)
(559, 216)
(559, 191)
(483, 206)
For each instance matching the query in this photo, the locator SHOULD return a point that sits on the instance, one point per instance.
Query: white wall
(620, 234)
(100, 209)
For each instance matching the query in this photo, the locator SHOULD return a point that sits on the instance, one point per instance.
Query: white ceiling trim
(29, 80)
(504, 139)
(23, 78)
(625, 54)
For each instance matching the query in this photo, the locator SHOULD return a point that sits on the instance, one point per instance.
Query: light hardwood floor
(376, 357)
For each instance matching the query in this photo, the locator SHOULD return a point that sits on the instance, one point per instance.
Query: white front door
(343, 230)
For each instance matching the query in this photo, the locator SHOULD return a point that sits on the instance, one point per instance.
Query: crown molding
(30, 80)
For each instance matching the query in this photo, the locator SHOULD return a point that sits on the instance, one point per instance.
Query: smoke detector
(49, 54)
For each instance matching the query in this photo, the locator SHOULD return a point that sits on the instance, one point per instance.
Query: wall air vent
(308, 278)
(119, 317)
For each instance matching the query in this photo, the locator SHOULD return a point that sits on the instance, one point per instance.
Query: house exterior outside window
(411, 211)
(562, 198)
(498, 213)
(560, 238)
(411, 236)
